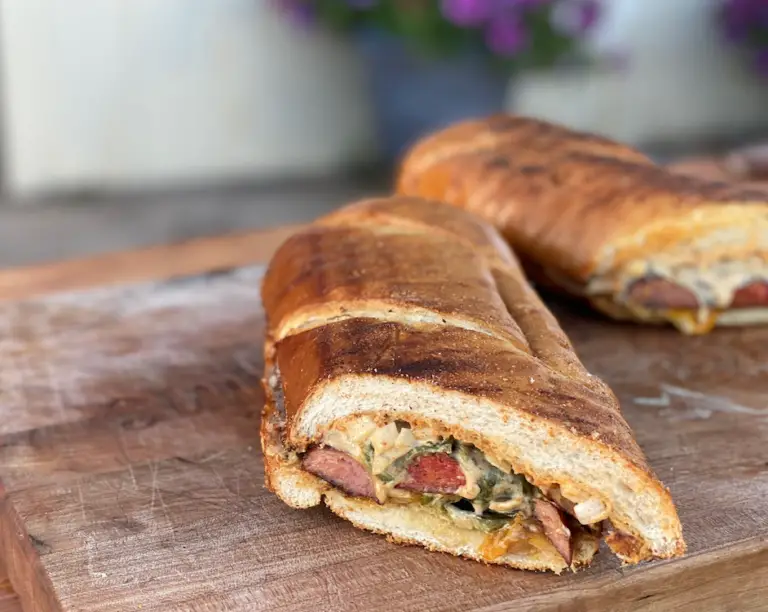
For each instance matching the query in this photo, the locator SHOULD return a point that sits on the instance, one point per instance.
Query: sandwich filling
(694, 297)
(395, 463)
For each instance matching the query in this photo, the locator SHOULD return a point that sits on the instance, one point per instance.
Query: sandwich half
(416, 383)
(601, 221)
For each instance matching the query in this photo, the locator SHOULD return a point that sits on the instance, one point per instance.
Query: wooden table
(186, 258)
(697, 405)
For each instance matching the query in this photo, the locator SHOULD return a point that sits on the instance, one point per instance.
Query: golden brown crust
(329, 271)
(577, 204)
(377, 290)
(533, 142)
(453, 359)
(412, 214)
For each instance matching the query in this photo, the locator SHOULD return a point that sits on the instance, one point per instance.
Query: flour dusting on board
(121, 339)
(680, 403)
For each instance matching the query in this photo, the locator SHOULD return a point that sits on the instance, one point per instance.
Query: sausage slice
(436, 473)
(340, 470)
(661, 293)
(751, 296)
(554, 528)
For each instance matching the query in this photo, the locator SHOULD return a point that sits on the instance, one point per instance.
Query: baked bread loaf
(601, 221)
(417, 384)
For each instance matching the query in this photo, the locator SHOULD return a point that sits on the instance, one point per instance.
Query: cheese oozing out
(490, 486)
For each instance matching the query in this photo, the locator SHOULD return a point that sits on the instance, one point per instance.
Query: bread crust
(335, 317)
(581, 206)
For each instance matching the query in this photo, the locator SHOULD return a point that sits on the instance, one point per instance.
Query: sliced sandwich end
(413, 524)
(596, 483)
(422, 526)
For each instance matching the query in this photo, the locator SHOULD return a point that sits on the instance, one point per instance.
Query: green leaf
(384, 477)
(368, 455)
(486, 483)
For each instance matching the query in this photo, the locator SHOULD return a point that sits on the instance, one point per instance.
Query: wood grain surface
(157, 262)
(132, 477)
(151, 263)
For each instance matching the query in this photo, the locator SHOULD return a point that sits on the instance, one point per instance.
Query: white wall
(681, 79)
(104, 92)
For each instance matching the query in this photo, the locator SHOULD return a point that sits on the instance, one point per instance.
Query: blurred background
(133, 122)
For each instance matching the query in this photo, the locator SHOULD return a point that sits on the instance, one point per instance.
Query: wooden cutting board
(132, 477)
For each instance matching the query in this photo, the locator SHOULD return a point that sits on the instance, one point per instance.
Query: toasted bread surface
(568, 199)
(592, 213)
(376, 311)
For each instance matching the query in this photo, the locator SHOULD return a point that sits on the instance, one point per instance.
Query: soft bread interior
(543, 452)
(410, 524)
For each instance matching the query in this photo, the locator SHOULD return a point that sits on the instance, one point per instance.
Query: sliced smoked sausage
(655, 292)
(436, 473)
(340, 470)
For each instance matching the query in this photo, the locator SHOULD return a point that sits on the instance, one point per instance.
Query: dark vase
(413, 95)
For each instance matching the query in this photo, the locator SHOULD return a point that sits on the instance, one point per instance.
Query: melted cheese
(506, 495)
(693, 322)
(389, 443)
(715, 285)
(508, 505)
(519, 537)
(712, 285)
(472, 475)
(712, 266)
(351, 437)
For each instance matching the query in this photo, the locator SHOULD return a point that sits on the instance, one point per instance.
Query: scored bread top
(573, 202)
(420, 291)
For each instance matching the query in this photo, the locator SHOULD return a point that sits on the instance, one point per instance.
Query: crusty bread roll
(417, 383)
(601, 221)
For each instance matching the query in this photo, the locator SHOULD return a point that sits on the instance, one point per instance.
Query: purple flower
(741, 18)
(506, 35)
(737, 19)
(521, 4)
(299, 12)
(590, 14)
(467, 13)
(761, 62)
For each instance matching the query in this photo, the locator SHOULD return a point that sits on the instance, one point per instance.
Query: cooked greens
(397, 468)
(491, 497)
